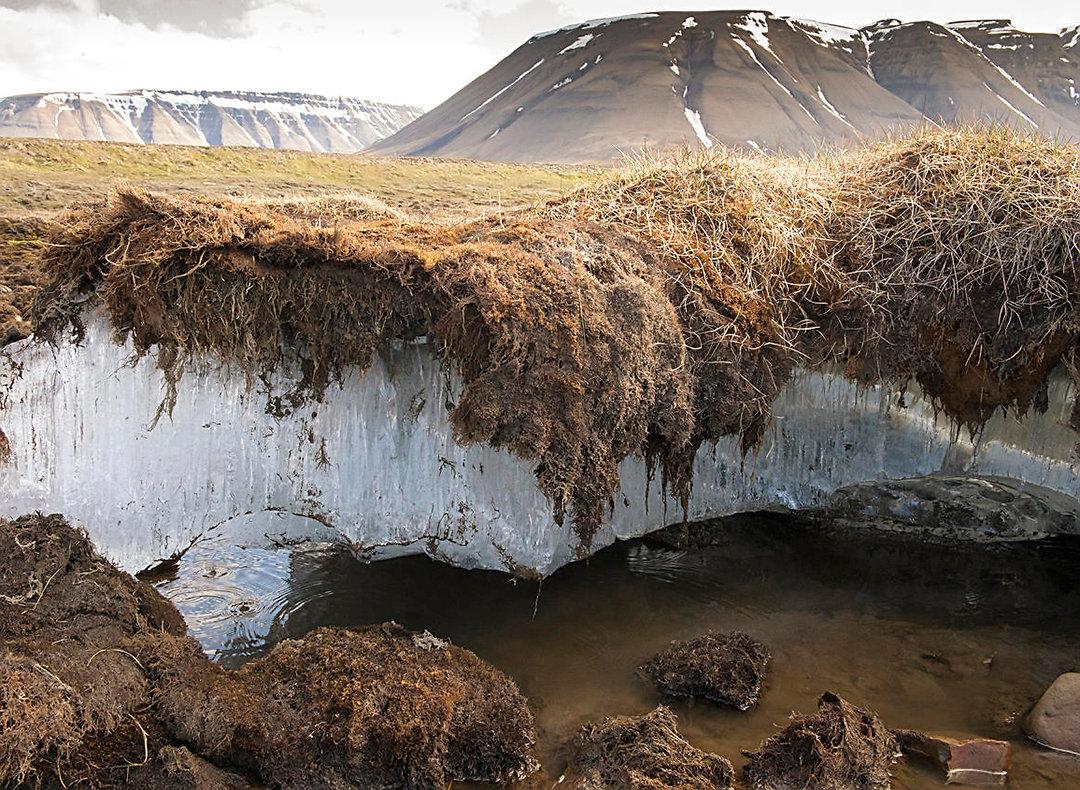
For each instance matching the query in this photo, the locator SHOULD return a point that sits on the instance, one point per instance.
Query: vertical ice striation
(376, 463)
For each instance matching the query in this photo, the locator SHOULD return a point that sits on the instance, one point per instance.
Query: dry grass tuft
(840, 747)
(726, 668)
(643, 752)
(661, 309)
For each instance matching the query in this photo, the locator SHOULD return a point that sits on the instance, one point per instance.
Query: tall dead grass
(658, 310)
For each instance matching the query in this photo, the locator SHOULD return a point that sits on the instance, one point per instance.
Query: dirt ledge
(100, 685)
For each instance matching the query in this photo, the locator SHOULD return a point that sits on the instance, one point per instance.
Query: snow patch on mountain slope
(995, 66)
(826, 35)
(828, 106)
(505, 88)
(287, 120)
(592, 24)
(580, 43)
(1012, 107)
(757, 25)
(693, 117)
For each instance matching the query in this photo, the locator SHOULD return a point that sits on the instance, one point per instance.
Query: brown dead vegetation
(99, 685)
(73, 692)
(644, 316)
(841, 747)
(726, 668)
(378, 707)
(21, 245)
(643, 753)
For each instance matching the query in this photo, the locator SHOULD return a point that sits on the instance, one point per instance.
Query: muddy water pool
(956, 640)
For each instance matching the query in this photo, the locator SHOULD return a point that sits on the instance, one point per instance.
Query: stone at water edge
(978, 761)
(1054, 722)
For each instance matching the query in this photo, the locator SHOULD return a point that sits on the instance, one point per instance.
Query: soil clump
(840, 747)
(726, 668)
(99, 684)
(645, 753)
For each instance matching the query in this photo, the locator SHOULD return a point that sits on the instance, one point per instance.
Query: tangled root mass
(841, 747)
(726, 668)
(644, 753)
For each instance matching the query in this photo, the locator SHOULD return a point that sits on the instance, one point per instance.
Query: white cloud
(417, 51)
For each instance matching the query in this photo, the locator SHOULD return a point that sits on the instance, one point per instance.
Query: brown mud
(101, 686)
(663, 308)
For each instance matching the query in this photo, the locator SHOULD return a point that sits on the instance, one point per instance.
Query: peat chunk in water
(645, 753)
(726, 668)
(840, 746)
(379, 705)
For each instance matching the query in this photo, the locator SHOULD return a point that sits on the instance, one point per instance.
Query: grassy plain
(39, 177)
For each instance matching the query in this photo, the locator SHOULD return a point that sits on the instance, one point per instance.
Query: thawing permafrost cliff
(694, 338)
(376, 463)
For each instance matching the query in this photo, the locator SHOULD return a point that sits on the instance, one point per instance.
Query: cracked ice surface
(376, 463)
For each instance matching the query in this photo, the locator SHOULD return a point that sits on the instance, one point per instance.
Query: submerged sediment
(99, 685)
(631, 323)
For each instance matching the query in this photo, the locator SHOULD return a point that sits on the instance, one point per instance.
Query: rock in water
(725, 668)
(978, 761)
(643, 752)
(952, 507)
(840, 746)
(1055, 719)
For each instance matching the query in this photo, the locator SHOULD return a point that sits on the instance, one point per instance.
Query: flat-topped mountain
(265, 120)
(749, 78)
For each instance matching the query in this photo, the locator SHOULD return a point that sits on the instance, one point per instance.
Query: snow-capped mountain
(984, 69)
(748, 78)
(266, 120)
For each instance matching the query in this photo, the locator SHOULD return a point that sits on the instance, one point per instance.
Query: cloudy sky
(414, 51)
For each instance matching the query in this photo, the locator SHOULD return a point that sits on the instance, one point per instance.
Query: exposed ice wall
(377, 464)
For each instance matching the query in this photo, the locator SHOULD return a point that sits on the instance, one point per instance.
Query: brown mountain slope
(298, 121)
(1043, 63)
(587, 92)
(747, 78)
(978, 71)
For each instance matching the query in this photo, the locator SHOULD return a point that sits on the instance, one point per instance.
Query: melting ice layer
(376, 464)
